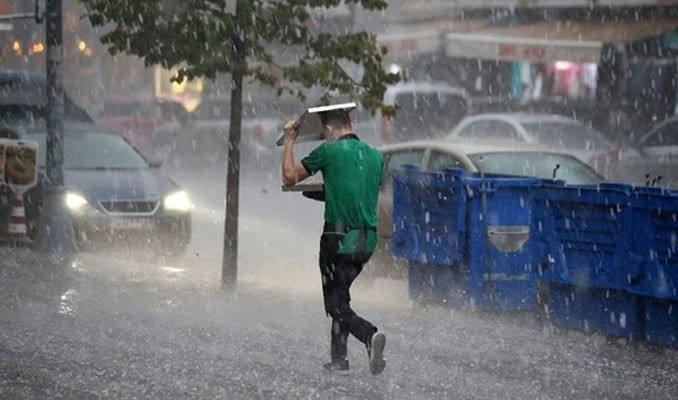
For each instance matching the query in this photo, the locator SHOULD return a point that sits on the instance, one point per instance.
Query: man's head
(336, 124)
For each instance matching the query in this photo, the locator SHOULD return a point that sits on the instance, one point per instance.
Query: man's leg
(329, 244)
(362, 329)
(339, 334)
(338, 273)
(338, 304)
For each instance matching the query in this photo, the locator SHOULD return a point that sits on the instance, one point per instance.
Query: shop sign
(489, 47)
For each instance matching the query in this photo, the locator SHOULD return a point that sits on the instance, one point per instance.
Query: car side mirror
(155, 161)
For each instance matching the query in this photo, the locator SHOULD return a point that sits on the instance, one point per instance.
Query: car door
(393, 161)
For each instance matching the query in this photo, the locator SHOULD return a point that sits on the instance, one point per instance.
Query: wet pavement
(124, 324)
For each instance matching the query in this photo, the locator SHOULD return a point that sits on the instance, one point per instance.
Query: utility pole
(55, 94)
(56, 233)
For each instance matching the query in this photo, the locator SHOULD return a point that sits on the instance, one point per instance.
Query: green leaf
(200, 36)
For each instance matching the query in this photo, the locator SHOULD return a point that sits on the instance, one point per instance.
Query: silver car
(553, 132)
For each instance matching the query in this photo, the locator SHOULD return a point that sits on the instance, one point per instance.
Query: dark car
(115, 195)
(23, 96)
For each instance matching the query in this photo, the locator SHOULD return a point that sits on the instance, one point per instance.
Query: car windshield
(568, 135)
(540, 165)
(93, 151)
(24, 92)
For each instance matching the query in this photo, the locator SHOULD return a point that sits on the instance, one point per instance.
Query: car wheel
(172, 248)
(173, 243)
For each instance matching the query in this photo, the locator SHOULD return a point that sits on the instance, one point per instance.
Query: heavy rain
(160, 235)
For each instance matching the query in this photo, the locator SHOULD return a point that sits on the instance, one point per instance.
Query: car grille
(128, 206)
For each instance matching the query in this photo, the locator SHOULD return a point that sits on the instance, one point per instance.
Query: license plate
(132, 224)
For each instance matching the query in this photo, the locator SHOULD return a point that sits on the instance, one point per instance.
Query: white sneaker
(375, 351)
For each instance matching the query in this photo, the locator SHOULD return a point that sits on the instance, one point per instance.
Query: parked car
(492, 157)
(657, 162)
(153, 126)
(425, 110)
(23, 99)
(262, 119)
(554, 132)
(114, 194)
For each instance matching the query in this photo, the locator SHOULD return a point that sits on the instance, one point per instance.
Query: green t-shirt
(352, 172)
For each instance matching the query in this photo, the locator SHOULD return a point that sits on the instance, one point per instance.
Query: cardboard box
(310, 125)
(304, 187)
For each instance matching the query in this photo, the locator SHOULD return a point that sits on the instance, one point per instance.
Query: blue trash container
(583, 244)
(467, 238)
(589, 309)
(654, 245)
(429, 215)
(655, 251)
(502, 271)
(660, 321)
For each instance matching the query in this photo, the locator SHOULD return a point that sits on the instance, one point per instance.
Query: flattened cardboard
(304, 187)
(309, 124)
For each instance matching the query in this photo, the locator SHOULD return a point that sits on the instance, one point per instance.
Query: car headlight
(74, 201)
(178, 201)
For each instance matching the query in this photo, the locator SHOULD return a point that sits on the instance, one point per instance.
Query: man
(352, 172)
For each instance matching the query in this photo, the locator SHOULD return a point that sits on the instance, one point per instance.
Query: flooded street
(120, 325)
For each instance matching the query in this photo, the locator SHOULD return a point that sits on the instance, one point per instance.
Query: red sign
(6, 7)
(408, 44)
(518, 51)
(533, 52)
(508, 50)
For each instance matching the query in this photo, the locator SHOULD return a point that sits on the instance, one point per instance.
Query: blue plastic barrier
(660, 321)
(466, 234)
(429, 215)
(606, 254)
(583, 230)
(606, 311)
(655, 250)
(501, 272)
(654, 246)
(584, 248)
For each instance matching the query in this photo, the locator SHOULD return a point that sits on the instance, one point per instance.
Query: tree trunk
(229, 266)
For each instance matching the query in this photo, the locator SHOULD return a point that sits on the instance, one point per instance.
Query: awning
(420, 39)
(576, 41)
(407, 44)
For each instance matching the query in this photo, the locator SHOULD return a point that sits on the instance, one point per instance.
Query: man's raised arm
(291, 173)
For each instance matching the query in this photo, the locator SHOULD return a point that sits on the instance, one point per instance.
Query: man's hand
(290, 131)
(291, 173)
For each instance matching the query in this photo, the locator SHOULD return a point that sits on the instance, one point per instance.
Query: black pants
(338, 271)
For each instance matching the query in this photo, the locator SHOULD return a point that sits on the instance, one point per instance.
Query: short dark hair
(336, 118)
